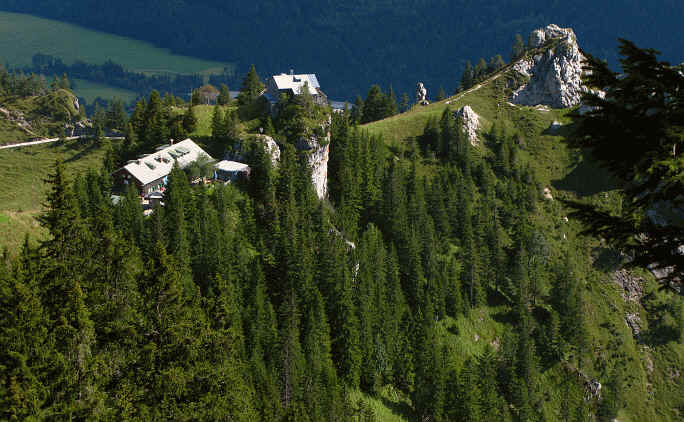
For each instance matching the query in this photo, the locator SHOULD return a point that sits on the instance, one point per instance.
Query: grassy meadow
(22, 174)
(22, 36)
(91, 90)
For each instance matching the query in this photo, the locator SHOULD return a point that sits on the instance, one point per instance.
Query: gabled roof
(159, 164)
(295, 82)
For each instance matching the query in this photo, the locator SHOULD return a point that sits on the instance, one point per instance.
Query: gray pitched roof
(159, 164)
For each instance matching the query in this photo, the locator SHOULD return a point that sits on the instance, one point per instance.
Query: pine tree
(467, 77)
(391, 103)
(357, 110)
(375, 105)
(405, 105)
(218, 130)
(224, 96)
(251, 89)
(190, 119)
(195, 98)
(441, 95)
(25, 345)
(291, 357)
(518, 48)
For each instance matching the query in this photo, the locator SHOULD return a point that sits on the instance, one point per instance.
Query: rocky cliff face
(317, 148)
(471, 123)
(271, 148)
(555, 75)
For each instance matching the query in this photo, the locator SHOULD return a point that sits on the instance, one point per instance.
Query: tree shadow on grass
(587, 178)
(82, 153)
(401, 409)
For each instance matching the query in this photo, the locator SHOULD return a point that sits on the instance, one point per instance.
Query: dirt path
(47, 141)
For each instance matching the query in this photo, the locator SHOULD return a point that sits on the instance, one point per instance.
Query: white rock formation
(271, 148)
(471, 123)
(421, 94)
(555, 76)
(318, 153)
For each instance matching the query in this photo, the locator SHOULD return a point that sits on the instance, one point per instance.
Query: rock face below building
(317, 148)
(271, 148)
(555, 75)
(471, 123)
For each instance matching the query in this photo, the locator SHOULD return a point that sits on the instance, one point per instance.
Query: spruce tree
(224, 96)
(518, 48)
(251, 88)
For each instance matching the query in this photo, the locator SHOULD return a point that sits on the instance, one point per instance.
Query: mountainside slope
(625, 311)
(37, 116)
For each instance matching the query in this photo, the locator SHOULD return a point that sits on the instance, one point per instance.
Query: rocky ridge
(554, 75)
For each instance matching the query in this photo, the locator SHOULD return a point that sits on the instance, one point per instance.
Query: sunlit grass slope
(22, 174)
(22, 36)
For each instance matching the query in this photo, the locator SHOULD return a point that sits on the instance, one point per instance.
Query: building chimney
(291, 72)
(171, 140)
(138, 162)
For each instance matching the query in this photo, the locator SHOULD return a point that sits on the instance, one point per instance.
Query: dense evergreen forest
(256, 301)
(354, 44)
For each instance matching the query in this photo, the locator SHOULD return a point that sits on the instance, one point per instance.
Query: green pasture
(22, 36)
(22, 174)
(91, 90)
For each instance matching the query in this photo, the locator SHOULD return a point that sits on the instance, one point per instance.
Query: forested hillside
(439, 280)
(354, 44)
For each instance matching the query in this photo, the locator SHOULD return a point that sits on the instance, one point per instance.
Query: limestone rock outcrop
(421, 94)
(555, 75)
(317, 148)
(471, 123)
(271, 148)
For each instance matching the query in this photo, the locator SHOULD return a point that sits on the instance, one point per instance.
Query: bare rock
(633, 321)
(271, 148)
(421, 94)
(632, 286)
(317, 147)
(555, 77)
(471, 123)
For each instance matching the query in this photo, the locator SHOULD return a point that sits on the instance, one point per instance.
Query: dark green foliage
(224, 96)
(637, 132)
(518, 48)
(250, 91)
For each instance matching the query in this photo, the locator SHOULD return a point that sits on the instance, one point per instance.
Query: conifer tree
(467, 76)
(190, 119)
(518, 48)
(405, 104)
(441, 95)
(224, 96)
(391, 105)
(218, 129)
(357, 110)
(375, 106)
(251, 88)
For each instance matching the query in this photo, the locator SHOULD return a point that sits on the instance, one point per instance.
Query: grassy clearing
(389, 406)
(204, 115)
(22, 171)
(91, 90)
(22, 36)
